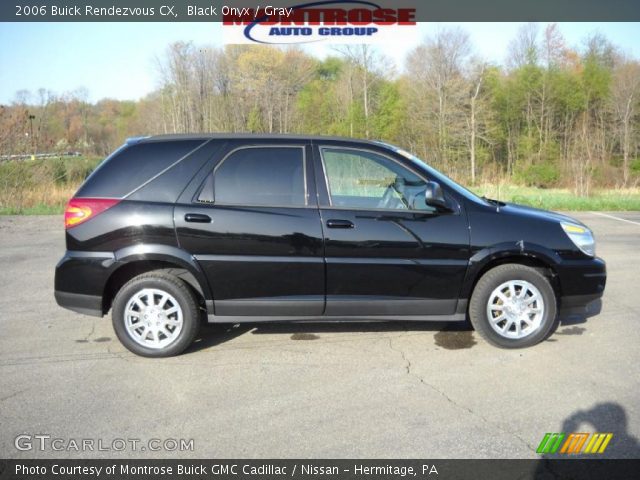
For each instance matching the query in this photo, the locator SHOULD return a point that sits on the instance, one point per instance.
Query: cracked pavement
(393, 390)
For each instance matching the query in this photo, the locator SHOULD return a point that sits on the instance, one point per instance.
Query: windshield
(433, 173)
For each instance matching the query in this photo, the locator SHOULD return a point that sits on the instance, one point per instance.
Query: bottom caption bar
(315, 469)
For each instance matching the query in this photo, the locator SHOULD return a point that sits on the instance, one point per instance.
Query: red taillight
(79, 210)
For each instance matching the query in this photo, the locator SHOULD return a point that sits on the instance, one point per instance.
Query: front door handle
(197, 218)
(333, 223)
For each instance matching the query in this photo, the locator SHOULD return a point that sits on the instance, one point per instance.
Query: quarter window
(362, 179)
(261, 176)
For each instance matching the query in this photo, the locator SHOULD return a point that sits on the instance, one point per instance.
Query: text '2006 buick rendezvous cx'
(172, 231)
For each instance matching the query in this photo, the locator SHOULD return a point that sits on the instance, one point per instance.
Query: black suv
(171, 230)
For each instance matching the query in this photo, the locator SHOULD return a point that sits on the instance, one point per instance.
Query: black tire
(174, 287)
(492, 280)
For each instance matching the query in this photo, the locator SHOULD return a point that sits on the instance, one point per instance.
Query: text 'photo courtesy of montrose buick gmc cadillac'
(172, 231)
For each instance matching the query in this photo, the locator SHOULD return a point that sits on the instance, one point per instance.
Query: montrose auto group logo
(356, 21)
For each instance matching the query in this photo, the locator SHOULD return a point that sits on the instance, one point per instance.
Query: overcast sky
(116, 60)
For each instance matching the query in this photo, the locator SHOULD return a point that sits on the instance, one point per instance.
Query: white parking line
(615, 218)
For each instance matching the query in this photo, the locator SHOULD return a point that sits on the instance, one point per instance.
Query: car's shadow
(450, 335)
(216, 334)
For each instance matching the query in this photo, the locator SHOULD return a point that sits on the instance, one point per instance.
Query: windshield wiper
(497, 203)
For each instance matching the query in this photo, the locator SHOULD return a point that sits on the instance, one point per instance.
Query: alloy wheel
(515, 309)
(153, 318)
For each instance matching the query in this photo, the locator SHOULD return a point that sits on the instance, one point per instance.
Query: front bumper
(581, 282)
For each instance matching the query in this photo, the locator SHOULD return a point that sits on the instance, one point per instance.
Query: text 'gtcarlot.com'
(46, 442)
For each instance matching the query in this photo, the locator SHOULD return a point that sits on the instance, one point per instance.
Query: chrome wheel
(515, 309)
(153, 318)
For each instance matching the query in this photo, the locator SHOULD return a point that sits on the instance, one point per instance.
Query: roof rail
(134, 140)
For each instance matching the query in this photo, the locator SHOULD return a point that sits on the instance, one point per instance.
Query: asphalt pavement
(397, 390)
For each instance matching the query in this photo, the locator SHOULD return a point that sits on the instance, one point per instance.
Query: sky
(118, 60)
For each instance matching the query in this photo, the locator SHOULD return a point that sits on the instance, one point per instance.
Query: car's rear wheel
(513, 306)
(156, 315)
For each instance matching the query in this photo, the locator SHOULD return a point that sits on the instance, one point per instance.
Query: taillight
(79, 210)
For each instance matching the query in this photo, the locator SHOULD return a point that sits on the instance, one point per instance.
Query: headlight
(581, 237)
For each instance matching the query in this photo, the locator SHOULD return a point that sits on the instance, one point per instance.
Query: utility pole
(33, 143)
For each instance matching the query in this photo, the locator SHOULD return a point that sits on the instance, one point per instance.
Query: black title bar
(212, 10)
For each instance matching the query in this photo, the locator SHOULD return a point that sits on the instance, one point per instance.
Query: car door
(386, 251)
(254, 228)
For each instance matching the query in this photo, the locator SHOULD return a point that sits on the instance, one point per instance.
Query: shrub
(41, 185)
(542, 175)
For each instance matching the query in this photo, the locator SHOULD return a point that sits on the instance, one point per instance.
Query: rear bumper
(581, 282)
(80, 281)
(77, 302)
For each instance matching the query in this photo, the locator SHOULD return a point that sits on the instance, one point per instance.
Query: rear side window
(269, 176)
(128, 168)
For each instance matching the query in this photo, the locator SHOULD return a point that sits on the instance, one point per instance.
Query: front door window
(361, 179)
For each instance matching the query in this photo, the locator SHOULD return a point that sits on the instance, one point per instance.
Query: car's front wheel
(513, 306)
(155, 315)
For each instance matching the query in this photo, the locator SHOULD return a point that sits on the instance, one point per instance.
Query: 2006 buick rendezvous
(171, 230)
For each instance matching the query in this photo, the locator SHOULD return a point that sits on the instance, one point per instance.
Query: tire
(156, 315)
(509, 321)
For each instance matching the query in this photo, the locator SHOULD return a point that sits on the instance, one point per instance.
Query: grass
(564, 199)
(40, 209)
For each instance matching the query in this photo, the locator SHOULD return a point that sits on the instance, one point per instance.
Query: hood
(537, 213)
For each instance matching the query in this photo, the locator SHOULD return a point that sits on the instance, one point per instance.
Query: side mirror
(434, 197)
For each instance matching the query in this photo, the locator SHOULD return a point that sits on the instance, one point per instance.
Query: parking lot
(395, 390)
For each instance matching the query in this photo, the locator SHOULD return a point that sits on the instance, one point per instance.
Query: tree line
(552, 115)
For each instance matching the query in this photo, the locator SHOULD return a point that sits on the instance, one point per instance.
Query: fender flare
(519, 249)
(164, 253)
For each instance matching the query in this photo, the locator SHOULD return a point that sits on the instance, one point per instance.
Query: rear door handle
(197, 218)
(333, 223)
